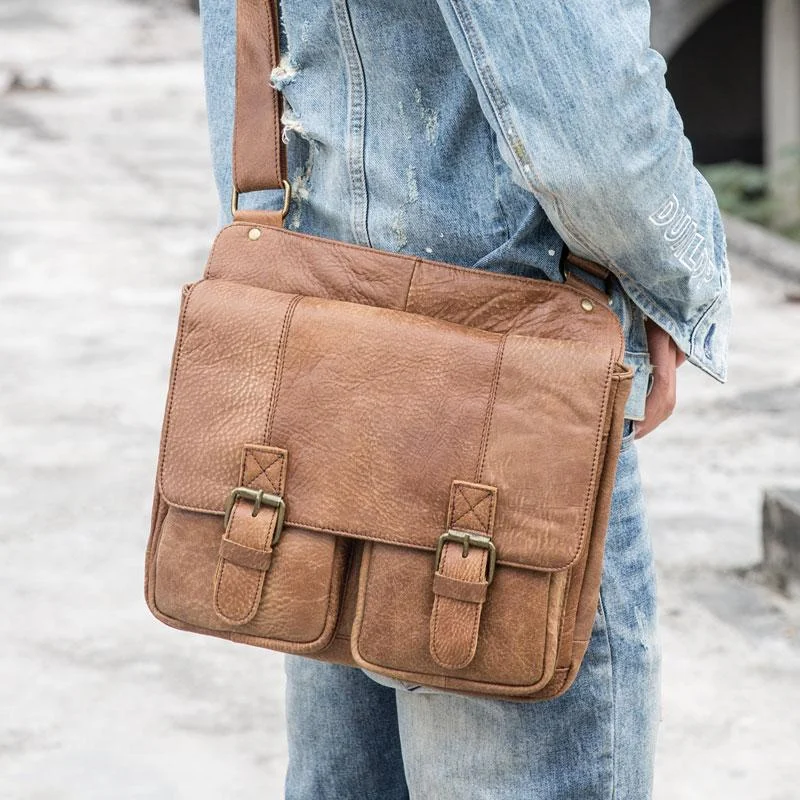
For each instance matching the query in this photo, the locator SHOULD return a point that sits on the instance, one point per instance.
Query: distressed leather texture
(386, 401)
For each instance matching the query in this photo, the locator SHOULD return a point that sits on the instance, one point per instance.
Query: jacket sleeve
(580, 109)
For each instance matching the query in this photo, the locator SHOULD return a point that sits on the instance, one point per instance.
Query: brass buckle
(287, 198)
(259, 498)
(468, 540)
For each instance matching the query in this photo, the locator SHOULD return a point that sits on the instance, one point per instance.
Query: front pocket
(300, 600)
(517, 635)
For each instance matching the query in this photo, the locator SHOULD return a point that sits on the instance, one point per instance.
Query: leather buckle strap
(465, 564)
(259, 498)
(468, 540)
(259, 157)
(253, 522)
(587, 276)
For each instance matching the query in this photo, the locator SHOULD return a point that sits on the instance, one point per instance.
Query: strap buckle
(287, 198)
(467, 540)
(259, 498)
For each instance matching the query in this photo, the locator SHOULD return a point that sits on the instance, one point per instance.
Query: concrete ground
(106, 208)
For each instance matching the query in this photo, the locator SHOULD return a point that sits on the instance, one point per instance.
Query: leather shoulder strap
(259, 157)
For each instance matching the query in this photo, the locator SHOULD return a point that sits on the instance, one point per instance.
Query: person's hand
(665, 358)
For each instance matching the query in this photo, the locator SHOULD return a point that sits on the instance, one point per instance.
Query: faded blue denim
(489, 134)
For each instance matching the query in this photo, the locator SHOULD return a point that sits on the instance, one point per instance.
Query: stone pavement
(106, 208)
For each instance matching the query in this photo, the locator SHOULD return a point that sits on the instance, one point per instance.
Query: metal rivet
(253, 234)
(587, 304)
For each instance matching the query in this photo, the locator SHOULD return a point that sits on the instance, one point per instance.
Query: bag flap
(380, 411)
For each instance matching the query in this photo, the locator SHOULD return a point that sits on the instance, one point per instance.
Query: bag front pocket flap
(380, 412)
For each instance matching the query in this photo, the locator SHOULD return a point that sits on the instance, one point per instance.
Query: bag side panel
(585, 576)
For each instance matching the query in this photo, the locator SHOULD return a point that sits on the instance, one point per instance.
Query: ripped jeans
(354, 736)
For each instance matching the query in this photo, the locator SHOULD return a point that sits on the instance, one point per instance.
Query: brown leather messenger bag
(380, 460)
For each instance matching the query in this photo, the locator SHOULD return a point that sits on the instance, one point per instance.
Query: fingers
(661, 401)
(665, 359)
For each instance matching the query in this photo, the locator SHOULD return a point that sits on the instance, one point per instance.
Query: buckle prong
(467, 540)
(259, 497)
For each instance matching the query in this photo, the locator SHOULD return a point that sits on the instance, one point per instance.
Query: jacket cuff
(709, 340)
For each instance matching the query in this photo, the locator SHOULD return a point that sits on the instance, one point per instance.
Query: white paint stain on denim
(430, 118)
(400, 220)
(681, 234)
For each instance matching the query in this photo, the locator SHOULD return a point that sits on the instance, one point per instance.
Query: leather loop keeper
(456, 589)
(243, 556)
(245, 553)
(274, 219)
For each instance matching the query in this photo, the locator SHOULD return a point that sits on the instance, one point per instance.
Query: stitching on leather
(550, 287)
(255, 595)
(257, 590)
(487, 423)
(470, 507)
(174, 380)
(597, 449)
(483, 524)
(567, 587)
(263, 471)
(410, 283)
(476, 620)
(279, 359)
(367, 537)
(459, 485)
(276, 117)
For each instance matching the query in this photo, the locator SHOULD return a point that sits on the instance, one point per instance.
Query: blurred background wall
(734, 71)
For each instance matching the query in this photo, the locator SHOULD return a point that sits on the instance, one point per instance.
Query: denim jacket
(491, 134)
